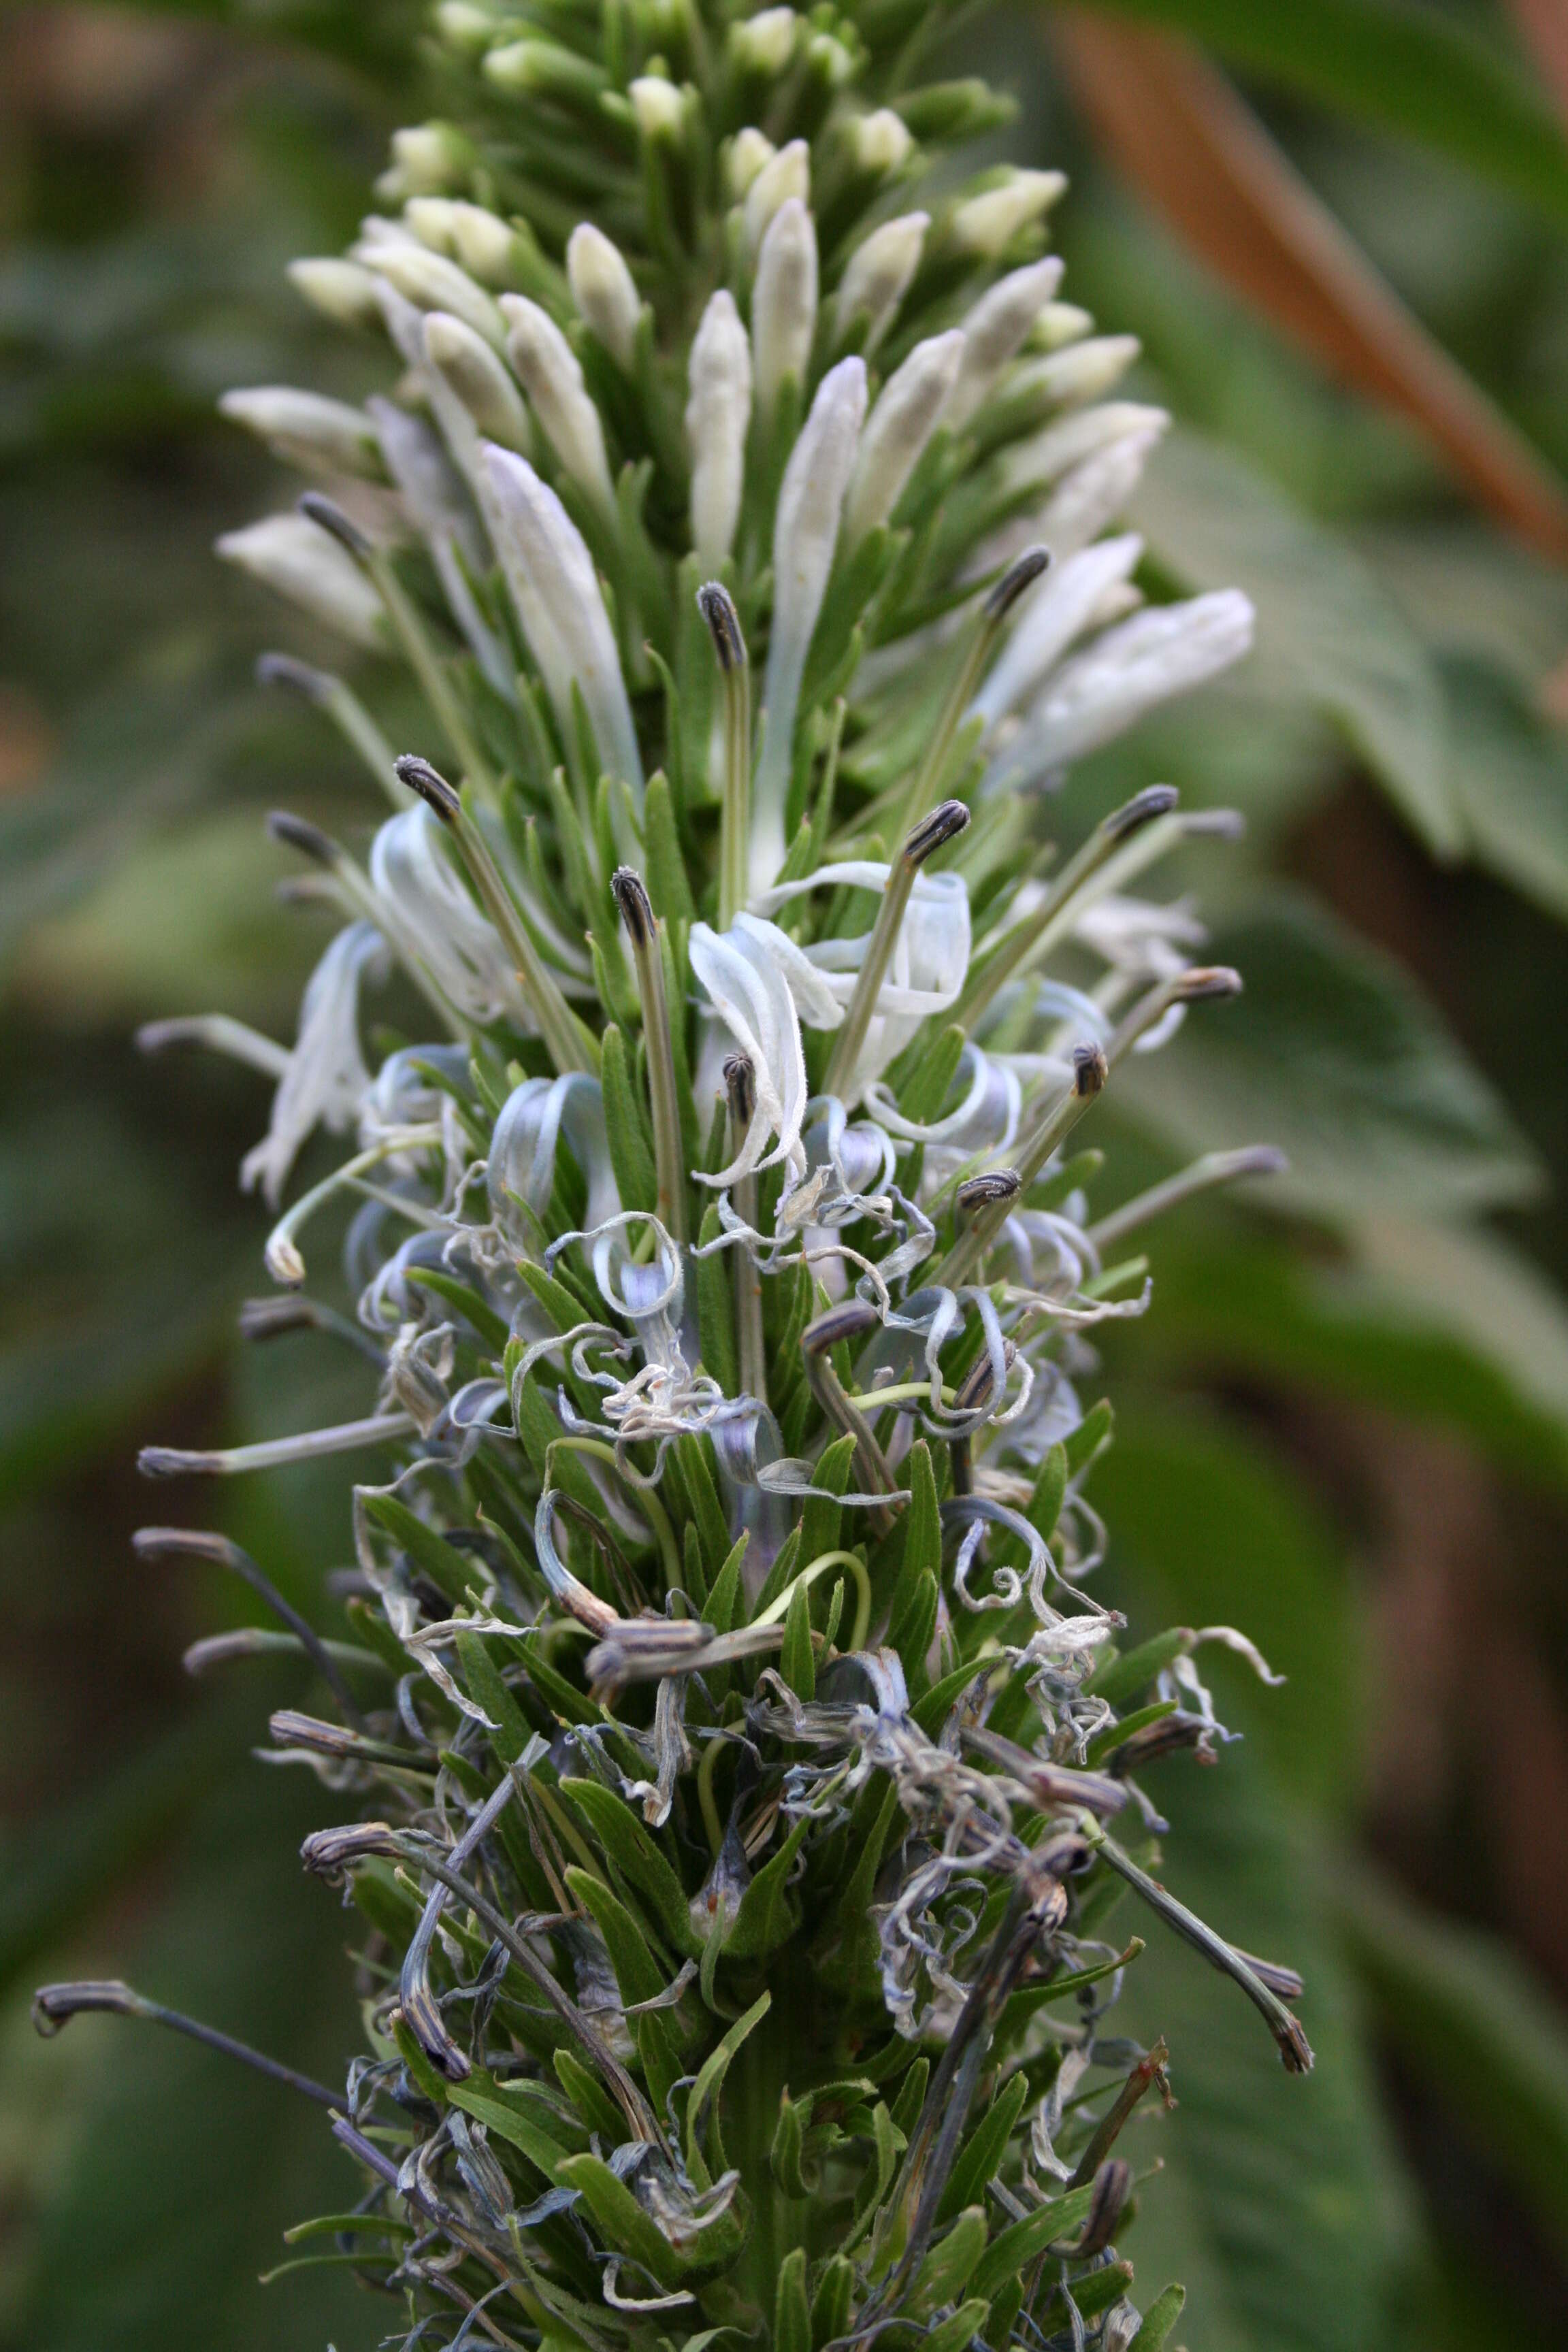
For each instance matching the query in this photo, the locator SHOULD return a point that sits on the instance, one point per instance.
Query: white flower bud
(556, 590)
(1046, 456)
(659, 106)
(1083, 372)
(805, 532)
(305, 428)
(341, 290)
(785, 174)
(483, 242)
(427, 157)
(604, 291)
(429, 218)
(828, 60)
(297, 560)
(879, 142)
(431, 282)
(1060, 323)
(783, 302)
(878, 276)
(987, 223)
(463, 27)
(1064, 601)
(994, 331)
(1144, 661)
(553, 383)
(470, 370)
(765, 43)
(718, 415)
(748, 152)
(909, 409)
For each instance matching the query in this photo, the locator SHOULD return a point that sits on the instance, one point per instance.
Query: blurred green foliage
(1397, 909)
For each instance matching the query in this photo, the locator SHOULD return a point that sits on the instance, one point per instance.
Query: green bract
(744, 1776)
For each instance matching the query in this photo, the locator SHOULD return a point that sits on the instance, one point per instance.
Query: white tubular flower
(811, 499)
(784, 174)
(307, 429)
(604, 291)
(1061, 605)
(748, 152)
(1083, 372)
(931, 957)
(341, 291)
(436, 503)
(879, 142)
(659, 106)
(433, 918)
(483, 242)
(751, 973)
(995, 330)
(718, 418)
(429, 218)
(783, 302)
(479, 379)
(1059, 324)
(428, 157)
(1094, 493)
(431, 282)
(765, 43)
(305, 563)
(326, 1078)
(908, 408)
(553, 383)
(536, 1116)
(878, 276)
(1046, 456)
(556, 590)
(987, 223)
(1149, 660)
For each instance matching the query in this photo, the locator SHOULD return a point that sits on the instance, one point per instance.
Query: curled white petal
(536, 1116)
(436, 922)
(746, 973)
(326, 1078)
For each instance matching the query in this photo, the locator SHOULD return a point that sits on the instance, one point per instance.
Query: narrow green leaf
(621, 2219)
(448, 1568)
(631, 1154)
(1159, 2319)
(792, 2314)
(716, 1311)
(634, 1852)
(797, 1662)
(983, 2151)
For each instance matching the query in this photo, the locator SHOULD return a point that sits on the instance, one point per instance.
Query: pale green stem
(1214, 1169)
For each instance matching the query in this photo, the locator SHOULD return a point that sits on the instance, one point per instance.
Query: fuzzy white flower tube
(717, 418)
(910, 407)
(879, 273)
(326, 1078)
(1144, 661)
(783, 304)
(811, 502)
(556, 590)
(292, 556)
(552, 378)
(604, 291)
